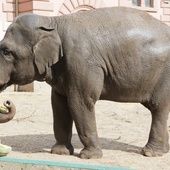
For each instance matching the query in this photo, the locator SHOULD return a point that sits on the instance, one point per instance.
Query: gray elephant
(118, 54)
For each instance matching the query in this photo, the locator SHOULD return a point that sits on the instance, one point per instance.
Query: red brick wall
(41, 7)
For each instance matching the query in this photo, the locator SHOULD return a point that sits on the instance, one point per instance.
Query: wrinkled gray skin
(117, 54)
(8, 116)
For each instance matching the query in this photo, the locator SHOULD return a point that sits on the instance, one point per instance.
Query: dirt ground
(123, 130)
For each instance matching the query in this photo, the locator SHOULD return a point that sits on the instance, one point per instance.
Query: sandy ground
(123, 130)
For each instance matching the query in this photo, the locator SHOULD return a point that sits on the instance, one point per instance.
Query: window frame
(144, 7)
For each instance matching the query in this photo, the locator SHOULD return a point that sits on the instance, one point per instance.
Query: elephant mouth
(3, 87)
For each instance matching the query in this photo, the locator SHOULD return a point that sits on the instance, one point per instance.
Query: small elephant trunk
(8, 116)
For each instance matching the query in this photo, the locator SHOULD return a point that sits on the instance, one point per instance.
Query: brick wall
(8, 8)
(73, 6)
(41, 7)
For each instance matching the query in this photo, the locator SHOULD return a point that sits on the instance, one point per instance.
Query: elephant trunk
(5, 117)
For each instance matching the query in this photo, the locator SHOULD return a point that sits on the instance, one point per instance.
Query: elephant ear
(47, 50)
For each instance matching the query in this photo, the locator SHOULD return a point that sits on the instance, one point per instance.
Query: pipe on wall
(16, 8)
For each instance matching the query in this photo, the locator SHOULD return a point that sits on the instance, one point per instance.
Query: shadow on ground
(43, 143)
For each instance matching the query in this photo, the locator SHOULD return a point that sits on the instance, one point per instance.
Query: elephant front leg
(62, 125)
(84, 89)
(84, 118)
(158, 142)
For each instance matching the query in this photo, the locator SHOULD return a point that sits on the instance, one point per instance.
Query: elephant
(118, 54)
(5, 117)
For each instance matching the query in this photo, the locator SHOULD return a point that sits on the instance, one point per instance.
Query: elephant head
(30, 46)
(5, 117)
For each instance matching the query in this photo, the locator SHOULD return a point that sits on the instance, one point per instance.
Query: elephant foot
(62, 150)
(152, 152)
(91, 153)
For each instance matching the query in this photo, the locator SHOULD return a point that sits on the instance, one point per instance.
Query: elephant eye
(6, 51)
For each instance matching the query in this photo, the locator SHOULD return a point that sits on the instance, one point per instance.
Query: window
(136, 2)
(143, 3)
(149, 3)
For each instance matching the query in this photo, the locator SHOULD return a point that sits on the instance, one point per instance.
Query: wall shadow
(44, 142)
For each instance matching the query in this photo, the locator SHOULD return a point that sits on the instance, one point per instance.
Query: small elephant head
(31, 44)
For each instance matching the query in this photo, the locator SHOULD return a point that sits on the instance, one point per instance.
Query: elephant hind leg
(158, 142)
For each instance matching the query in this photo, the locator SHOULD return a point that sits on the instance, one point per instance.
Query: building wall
(3, 18)
(165, 17)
